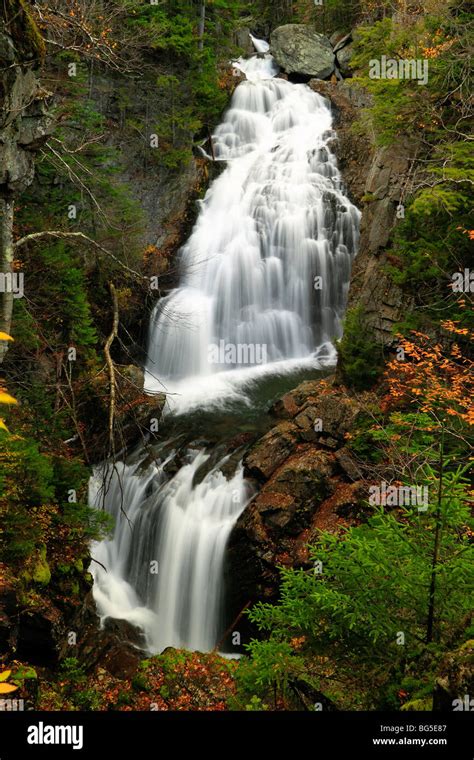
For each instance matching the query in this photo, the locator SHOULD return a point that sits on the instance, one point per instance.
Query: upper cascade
(268, 262)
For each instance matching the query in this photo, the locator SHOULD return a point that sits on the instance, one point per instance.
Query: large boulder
(300, 50)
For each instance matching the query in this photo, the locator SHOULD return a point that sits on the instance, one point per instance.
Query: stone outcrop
(305, 479)
(24, 118)
(34, 627)
(298, 49)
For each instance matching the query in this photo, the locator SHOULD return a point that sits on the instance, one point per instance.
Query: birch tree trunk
(6, 269)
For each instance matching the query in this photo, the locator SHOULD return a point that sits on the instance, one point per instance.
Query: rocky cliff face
(24, 126)
(24, 117)
(376, 178)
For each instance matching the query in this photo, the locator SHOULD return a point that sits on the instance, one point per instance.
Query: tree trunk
(202, 21)
(436, 547)
(6, 269)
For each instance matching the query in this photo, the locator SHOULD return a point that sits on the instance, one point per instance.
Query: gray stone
(300, 50)
(344, 57)
(242, 40)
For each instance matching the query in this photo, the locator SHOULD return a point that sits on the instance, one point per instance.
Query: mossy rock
(38, 570)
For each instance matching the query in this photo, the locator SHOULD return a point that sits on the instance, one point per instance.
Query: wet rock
(118, 646)
(289, 499)
(289, 405)
(243, 40)
(298, 49)
(271, 450)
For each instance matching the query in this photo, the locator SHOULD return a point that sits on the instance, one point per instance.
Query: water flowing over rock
(263, 287)
(298, 49)
(271, 224)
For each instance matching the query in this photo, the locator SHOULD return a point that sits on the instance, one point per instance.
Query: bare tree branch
(80, 236)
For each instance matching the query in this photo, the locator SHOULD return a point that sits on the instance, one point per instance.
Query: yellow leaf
(5, 398)
(3, 426)
(5, 336)
(7, 688)
(5, 675)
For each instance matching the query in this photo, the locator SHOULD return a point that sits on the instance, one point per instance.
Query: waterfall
(267, 265)
(263, 287)
(164, 562)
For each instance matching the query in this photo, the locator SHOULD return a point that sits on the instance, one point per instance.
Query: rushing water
(263, 287)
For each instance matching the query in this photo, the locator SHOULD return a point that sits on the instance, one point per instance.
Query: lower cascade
(263, 288)
(164, 562)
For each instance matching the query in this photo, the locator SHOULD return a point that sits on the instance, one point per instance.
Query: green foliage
(432, 243)
(73, 675)
(360, 357)
(63, 300)
(374, 584)
(33, 509)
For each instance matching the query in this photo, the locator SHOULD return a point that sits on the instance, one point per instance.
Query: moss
(418, 705)
(38, 570)
(62, 568)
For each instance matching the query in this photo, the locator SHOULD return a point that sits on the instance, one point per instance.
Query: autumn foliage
(438, 380)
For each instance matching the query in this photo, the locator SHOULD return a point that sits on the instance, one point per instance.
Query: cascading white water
(163, 566)
(264, 283)
(271, 224)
